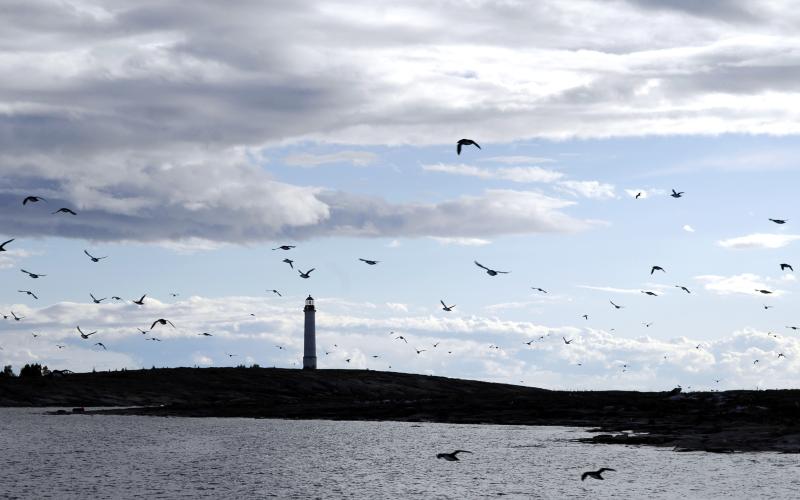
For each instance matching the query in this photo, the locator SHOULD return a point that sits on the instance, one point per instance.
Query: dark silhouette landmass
(709, 421)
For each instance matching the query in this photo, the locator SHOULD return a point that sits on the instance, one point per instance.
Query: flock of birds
(163, 322)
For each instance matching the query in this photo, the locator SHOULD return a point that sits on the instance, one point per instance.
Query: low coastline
(730, 421)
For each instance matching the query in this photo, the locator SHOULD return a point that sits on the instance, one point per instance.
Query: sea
(106, 456)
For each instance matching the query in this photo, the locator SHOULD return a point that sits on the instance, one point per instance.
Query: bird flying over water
(370, 262)
(161, 321)
(32, 275)
(140, 301)
(596, 474)
(780, 221)
(465, 142)
(85, 336)
(3, 246)
(94, 259)
(656, 268)
(284, 247)
(786, 266)
(445, 307)
(305, 275)
(490, 272)
(32, 199)
(451, 457)
(676, 194)
(64, 211)
(28, 292)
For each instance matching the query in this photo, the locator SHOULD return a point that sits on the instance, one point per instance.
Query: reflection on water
(79, 456)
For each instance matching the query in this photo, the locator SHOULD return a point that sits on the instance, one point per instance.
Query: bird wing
(87, 253)
(6, 243)
(584, 476)
(481, 265)
(154, 324)
(458, 148)
(476, 144)
(170, 322)
(309, 271)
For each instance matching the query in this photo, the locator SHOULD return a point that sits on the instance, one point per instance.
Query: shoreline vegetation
(722, 422)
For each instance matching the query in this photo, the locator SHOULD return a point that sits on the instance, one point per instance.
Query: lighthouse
(310, 343)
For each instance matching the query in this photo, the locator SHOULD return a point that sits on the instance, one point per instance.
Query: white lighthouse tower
(310, 342)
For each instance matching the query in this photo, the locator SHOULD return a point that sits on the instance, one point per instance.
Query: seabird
(205, 334)
(779, 221)
(780, 355)
(585, 316)
(284, 247)
(791, 327)
(596, 474)
(638, 195)
(615, 305)
(465, 142)
(401, 337)
(656, 268)
(305, 275)
(29, 293)
(370, 262)
(676, 194)
(768, 307)
(16, 318)
(96, 300)
(94, 259)
(32, 275)
(437, 344)
(116, 298)
(420, 351)
(154, 339)
(683, 288)
(173, 294)
(101, 345)
(648, 292)
(765, 292)
(567, 341)
(290, 262)
(3, 246)
(32, 199)
(445, 307)
(539, 289)
(276, 293)
(64, 211)
(35, 335)
(786, 266)
(451, 457)
(85, 336)
(279, 347)
(143, 332)
(140, 301)
(60, 346)
(161, 321)
(490, 272)
(756, 361)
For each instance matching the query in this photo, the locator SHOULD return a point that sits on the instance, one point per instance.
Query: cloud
(517, 159)
(759, 240)
(357, 158)
(513, 174)
(467, 242)
(629, 291)
(397, 307)
(745, 283)
(688, 228)
(588, 189)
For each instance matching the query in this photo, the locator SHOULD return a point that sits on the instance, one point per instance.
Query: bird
(436, 344)
(529, 342)
(205, 334)
(369, 262)
(676, 194)
(290, 262)
(656, 268)
(420, 351)
(375, 356)
(586, 317)
(786, 266)
(490, 272)
(567, 341)
(64, 211)
(279, 347)
(173, 294)
(101, 345)
(615, 305)
(596, 474)
(465, 142)
(683, 288)
(276, 293)
(32, 199)
(765, 292)
(305, 275)
(3, 246)
(16, 318)
(781, 355)
(85, 336)
(451, 457)
(94, 259)
(154, 339)
(32, 275)
(116, 298)
(29, 293)
(140, 301)
(60, 346)
(445, 307)
(161, 321)
(756, 361)
(539, 289)
(95, 299)
(35, 335)
(401, 337)
(638, 195)
(230, 355)
(648, 292)
(347, 360)
(284, 247)
(698, 346)
(780, 221)
(768, 307)
(793, 327)
(143, 332)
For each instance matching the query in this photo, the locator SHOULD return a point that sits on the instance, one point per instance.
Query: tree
(7, 371)
(31, 371)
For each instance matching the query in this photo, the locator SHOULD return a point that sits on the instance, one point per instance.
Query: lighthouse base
(309, 362)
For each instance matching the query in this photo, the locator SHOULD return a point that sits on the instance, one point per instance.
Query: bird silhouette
(648, 292)
(28, 292)
(205, 334)
(780, 221)
(490, 272)
(32, 275)
(3, 246)
(676, 194)
(114, 297)
(305, 275)
(445, 307)
(615, 305)
(539, 289)
(64, 211)
(143, 332)
(765, 292)
(656, 268)
(465, 142)
(85, 336)
(101, 345)
(793, 327)
(451, 457)
(756, 361)
(401, 337)
(638, 195)
(683, 288)
(32, 199)
(596, 474)
(284, 247)
(567, 341)
(16, 318)
(290, 262)
(94, 259)
(154, 339)
(140, 301)
(161, 321)
(276, 293)
(370, 262)
(780, 355)
(420, 351)
(586, 317)
(95, 299)
(786, 266)
(60, 346)
(768, 307)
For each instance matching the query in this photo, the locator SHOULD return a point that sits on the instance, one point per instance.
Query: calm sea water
(91, 457)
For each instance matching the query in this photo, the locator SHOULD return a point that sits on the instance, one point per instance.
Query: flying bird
(284, 247)
(305, 275)
(95, 299)
(765, 292)
(490, 272)
(445, 307)
(32, 275)
(638, 195)
(596, 474)
(615, 305)
(786, 266)
(648, 292)
(539, 289)
(401, 337)
(205, 334)
(676, 194)
(781, 355)
(35, 335)
(370, 262)
(3, 246)
(64, 211)
(420, 351)
(768, 307)
(276, 293)
(465, 142)
(28, 292)
(683, 288)
(60, 346)
(451, 457)
(793, 327)
(16, 318)
(756, 361)
(32, 199)
(780, 221)
(567, 341)
(161, 321)
(143, 332)
(94, 259)
(140, 301)
(290, 262)
(101, 345)
(154, 339)
(116, 298)
(656, 268)
(85, 336)
(585, 316)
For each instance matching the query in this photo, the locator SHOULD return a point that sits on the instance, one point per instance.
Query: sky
(191, 142)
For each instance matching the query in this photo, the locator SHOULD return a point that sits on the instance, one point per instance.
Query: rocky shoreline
(721, 422)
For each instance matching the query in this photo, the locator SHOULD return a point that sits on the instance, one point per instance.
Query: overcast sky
(192, 140)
